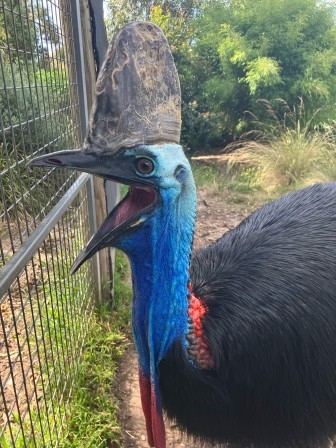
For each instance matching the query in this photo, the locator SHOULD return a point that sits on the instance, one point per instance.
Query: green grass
(285, 152)
(228, 176)
(94, 422)
(207, 175)
(91, 414)
(293, 160)
(234, 183)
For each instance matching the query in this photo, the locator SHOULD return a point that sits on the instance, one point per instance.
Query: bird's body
(269, 287)
(238, 342)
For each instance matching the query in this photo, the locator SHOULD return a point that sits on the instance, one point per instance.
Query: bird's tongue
(152, 410)
(136, 200)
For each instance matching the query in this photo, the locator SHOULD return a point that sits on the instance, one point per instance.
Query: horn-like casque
(138, 97)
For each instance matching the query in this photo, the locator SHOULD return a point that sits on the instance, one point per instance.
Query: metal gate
(45, 218)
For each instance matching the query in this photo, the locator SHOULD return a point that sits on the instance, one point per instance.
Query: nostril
(55, 161)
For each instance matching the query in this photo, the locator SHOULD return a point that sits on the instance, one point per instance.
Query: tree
(121, 12)
(33, 76)
(265, 49)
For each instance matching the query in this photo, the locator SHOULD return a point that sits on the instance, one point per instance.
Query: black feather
(270, 289)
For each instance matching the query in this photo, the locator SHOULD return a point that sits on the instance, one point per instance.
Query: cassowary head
(133, 138)
(160, 185)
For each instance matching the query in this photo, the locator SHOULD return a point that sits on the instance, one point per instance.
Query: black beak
(142, 197)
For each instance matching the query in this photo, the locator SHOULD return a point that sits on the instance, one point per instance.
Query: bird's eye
(144, 166)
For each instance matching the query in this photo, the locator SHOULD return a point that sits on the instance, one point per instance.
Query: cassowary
(236, 342)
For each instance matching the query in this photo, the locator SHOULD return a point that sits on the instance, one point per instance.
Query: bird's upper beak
(140, 200)
(109, 166)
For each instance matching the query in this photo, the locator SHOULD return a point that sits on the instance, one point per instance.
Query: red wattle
(145, 393)
(158, 427)
(196, 312)
(156, 434)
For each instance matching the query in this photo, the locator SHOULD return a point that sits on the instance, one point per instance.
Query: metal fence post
(84, 118)
(112, 189)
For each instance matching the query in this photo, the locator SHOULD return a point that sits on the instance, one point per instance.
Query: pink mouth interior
(136, 200)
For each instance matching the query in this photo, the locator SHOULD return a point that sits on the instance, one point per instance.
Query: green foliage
(22, 440)
(35, 95)
(15, 33)
(120, 12)
(92, 410)
(28, 120)
(207, 175)
(284, 152)
(88, 414)
(263, 49)
(262, 72)
(56, 338)
(34, 109)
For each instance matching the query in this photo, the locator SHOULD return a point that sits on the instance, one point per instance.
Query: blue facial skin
(159, 250)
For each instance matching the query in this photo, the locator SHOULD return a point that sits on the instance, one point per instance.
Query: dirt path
(214, 218)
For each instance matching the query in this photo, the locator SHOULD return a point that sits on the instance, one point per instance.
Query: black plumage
(270, 290)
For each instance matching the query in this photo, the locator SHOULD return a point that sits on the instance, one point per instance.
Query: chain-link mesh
(45, 313)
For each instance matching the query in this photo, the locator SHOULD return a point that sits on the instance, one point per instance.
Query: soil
(215, 216)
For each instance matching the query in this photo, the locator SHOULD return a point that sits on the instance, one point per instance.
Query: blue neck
(160, 256)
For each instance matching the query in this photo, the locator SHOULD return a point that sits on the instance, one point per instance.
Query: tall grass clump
(288, 149)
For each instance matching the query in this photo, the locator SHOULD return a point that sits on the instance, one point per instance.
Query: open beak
(140, 200)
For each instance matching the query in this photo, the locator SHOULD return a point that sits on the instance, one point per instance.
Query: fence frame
(22, 256)
(84, 117)
(27, 250)
(19, 260)
(82, 14)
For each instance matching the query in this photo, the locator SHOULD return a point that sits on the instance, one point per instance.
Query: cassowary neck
(160, 276)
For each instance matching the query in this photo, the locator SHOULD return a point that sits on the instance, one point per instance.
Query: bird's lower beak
(139, 201)
(125, 217)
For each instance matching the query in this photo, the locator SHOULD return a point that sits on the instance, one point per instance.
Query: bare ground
(215, 216)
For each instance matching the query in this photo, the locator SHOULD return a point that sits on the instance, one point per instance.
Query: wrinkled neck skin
(160, 256)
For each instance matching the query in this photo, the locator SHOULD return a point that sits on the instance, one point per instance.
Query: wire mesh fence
(44, 313)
